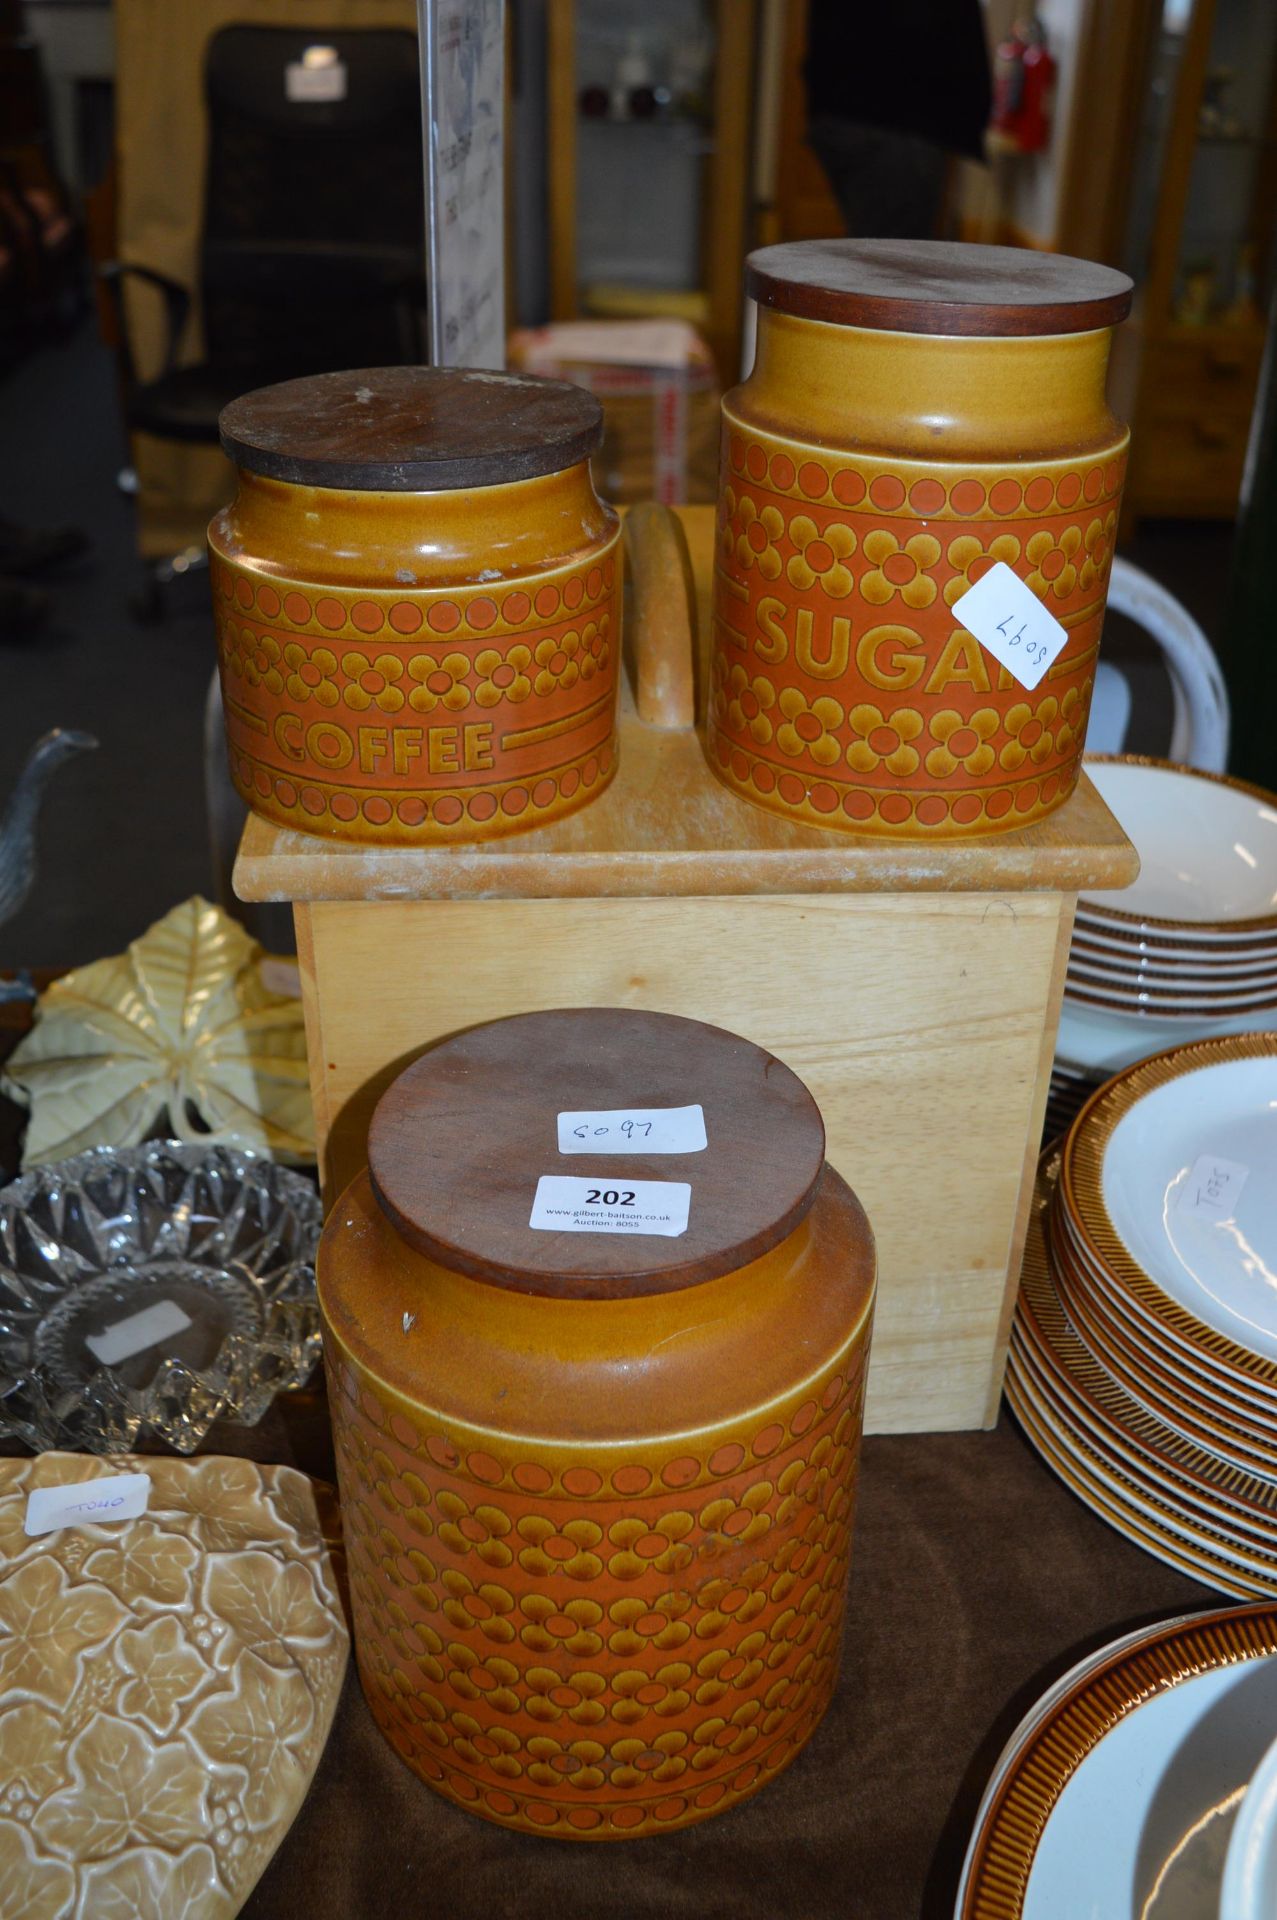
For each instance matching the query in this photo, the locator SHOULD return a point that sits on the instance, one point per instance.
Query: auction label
(1010, 622)
(1213, 1187)
(88, 1503)
(565, 1204)
(124, 1338)
(634, 1130)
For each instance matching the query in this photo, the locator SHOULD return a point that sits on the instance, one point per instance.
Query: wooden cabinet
(1199, 245)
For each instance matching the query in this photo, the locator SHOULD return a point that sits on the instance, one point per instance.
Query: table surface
(977, 1579)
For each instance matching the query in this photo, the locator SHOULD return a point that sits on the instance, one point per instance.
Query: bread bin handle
(660, 616)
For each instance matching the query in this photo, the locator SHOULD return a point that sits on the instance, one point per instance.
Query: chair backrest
(313, 244)
(1199, 734)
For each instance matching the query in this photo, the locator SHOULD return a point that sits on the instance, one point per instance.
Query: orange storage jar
(917, 412)
(417, 594)
(597, 1485)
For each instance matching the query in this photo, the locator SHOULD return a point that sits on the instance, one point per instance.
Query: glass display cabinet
(1199, 245)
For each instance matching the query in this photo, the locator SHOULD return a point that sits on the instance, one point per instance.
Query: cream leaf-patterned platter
(166, 1687)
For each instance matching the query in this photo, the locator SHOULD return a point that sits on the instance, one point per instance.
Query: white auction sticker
(139, 1331)
(88, 1503)
(565, 1204)
(634, 1130)
(1009, 620)
(1214, 1186)
(280, 976)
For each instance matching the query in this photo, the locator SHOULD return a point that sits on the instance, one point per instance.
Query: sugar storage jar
(920, 415)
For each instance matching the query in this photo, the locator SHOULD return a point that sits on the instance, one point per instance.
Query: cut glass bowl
(150, 1291)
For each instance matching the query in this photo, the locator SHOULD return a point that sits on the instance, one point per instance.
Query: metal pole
(461, 45)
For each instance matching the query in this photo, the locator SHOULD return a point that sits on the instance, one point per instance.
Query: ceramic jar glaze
(597, 1510)
(916, 413)
(416, 592)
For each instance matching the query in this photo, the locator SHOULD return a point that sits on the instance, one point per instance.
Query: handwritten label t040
(1010, 622)
(88, 1503)
(565, 1204)
(634, 1130)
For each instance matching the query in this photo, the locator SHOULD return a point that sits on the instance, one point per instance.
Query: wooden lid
(937, 286)
(459, 1143)
(411, 429)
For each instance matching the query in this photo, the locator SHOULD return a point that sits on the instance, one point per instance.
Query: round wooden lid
(411, 429)
(460, 1142)
(937, 286)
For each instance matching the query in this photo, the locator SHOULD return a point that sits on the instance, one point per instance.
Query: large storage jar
(597, 1484)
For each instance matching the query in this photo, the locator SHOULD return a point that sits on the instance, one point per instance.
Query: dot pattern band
(844, 692)
(598, 1647)
(419, 718)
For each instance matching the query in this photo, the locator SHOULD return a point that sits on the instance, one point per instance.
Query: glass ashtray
(152, 1290)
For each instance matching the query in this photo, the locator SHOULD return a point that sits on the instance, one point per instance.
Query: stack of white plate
(1124, 1791)
(1143, 1360)
(1190, 949)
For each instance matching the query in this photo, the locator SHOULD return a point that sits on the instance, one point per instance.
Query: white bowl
(1207, 847)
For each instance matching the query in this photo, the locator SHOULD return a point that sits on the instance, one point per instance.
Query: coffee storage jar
(596, 1322)
(417, 594)
(918, 414)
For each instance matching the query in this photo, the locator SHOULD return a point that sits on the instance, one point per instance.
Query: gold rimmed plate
(1210, 1393)
(1121, 1427)
(1166, 960)
(1161, 1393)
(1097, 1791)
(1168, 1178)
(1144, 1006)
(1137, 1513)
(1251, 1399)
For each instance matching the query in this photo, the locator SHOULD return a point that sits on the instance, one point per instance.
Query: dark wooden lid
(411, 429)
(459, 1142)
(937, 286)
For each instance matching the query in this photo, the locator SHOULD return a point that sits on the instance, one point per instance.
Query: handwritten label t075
(1213, 1187)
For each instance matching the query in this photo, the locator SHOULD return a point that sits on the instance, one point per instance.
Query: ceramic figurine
(416, 592)
(597, 1485)
(17, 831)
(918, 412)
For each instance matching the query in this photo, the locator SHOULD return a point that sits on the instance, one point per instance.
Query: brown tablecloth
(977, 1578)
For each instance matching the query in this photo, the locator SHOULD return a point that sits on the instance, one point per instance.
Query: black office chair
(312, 249)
